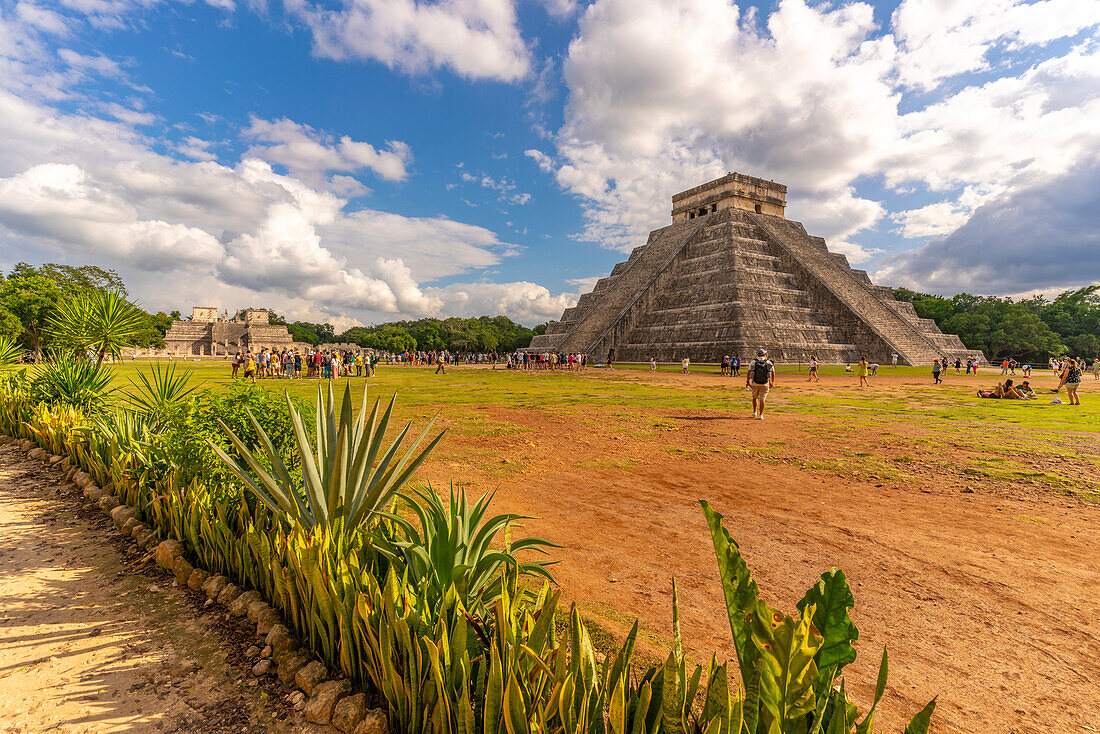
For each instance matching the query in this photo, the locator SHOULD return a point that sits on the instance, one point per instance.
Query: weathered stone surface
(266, 621)
(56, 459)
(310, 675)
(239, 606)
(149, 540)
(228, 594)
(38, 453)
(289, 663)
(66, 462)
(82, 479)
(280, 639)
(214, 585)
(323, 700)
(730, 275)
(121, 514)
(107, 503)
(374, 722)
(94, 492)
(142, 534)
(130, 525)
(182, 569)
(255, 609)
(205, 333)
(197, 579)
(349, 711)
(167, 552)
(262, 668)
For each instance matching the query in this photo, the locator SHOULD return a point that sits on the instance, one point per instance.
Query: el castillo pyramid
(732, 274)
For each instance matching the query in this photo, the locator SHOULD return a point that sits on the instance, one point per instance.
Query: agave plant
(72, 381)
(102, 321)
(453, 547)
(347, 477)
(159, 391)
(10, 351)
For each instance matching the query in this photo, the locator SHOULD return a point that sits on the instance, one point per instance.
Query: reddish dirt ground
(988, 600)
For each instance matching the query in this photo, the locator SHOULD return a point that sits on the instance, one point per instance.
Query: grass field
(899, 422)
(960, 522)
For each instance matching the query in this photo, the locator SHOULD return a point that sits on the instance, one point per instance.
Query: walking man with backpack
(760, 378)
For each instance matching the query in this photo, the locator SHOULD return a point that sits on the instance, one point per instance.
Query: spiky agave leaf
(159, 390)
(72, 381)
(344, 480)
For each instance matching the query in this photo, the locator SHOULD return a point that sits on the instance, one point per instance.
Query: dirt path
(89, 645)
(989, 601)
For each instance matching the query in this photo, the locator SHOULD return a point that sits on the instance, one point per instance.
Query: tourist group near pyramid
(732, 274)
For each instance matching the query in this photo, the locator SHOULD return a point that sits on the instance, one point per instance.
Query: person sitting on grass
(1003, 391)
(1025, 389)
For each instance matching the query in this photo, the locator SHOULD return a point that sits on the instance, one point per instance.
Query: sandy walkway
(86, 644)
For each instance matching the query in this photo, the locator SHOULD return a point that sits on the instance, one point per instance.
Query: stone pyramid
(730, 275)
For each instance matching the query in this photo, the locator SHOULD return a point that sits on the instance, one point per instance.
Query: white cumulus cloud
(477, 39)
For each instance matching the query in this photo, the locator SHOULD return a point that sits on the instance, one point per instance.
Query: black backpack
(761, 369)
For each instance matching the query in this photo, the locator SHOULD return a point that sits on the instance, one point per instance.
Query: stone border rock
(327, 701)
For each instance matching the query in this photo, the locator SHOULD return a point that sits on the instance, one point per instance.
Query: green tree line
(481, 334)
(1031, 329)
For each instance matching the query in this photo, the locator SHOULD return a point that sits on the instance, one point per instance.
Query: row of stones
(327, 700)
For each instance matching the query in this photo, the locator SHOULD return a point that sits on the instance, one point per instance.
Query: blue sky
(365, 160)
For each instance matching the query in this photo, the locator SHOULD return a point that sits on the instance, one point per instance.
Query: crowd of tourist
(293, 364)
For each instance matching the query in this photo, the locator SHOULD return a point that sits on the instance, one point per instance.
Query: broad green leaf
(832, 598)
(787, 647)
(738, 587)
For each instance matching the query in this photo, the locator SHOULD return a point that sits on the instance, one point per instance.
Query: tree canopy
(1031, 329)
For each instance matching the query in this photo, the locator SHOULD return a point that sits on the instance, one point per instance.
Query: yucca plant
(453, 546)
(160, 391)
(73, 381)
(347, 477)
(102, 321)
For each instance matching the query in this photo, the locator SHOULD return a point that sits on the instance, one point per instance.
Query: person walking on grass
(685, 364)
(864, 369)
(440, 365)
(652, 364)
(813, 370)
(1096, 369)
(760, 378)
(1071, 377)
(937, 368)
(894, 360)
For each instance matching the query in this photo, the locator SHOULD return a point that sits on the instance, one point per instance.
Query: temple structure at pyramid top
(732, 274)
